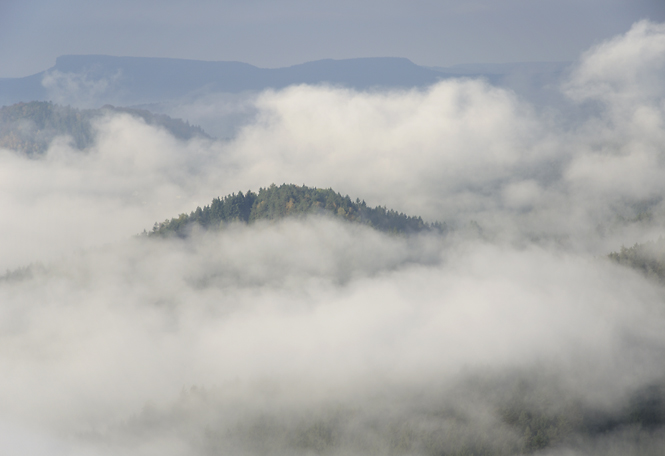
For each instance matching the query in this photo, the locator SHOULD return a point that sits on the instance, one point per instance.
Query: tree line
(289, 200)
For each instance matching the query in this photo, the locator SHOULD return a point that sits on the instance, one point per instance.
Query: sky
(275, 33)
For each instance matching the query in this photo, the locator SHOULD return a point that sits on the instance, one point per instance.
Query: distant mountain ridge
(137, 80)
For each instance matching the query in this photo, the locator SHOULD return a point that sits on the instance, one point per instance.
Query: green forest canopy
(30, 127)
(290, 200)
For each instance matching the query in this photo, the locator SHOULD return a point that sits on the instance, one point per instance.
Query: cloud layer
(317, 336)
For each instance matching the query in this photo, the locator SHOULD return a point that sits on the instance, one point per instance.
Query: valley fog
(185, 347)
(512, 333)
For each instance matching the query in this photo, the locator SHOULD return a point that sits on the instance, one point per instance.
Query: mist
(315, 336)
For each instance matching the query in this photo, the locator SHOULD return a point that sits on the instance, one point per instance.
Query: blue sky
(285, 32)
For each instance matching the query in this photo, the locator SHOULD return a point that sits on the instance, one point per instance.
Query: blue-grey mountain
(135, 80)
(94, 80)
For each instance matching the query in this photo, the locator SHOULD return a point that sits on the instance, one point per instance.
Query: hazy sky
(285, 32)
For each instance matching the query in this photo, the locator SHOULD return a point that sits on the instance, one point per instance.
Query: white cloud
(625, 69)
(305, 313)
(78, 88)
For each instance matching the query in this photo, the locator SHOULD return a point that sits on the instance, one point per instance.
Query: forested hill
(30, 127)
(290, 200)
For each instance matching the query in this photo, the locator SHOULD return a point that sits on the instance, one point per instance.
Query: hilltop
(290, 200)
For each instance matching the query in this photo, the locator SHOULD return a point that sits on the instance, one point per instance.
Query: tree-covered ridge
(289, 200)
(30, 127)
(649, 258)
(177, 127)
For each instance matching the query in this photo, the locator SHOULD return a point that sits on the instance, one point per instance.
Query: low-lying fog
(314, 336)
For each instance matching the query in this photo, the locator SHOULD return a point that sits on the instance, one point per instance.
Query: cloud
(79, 89)
(282, 319)
(69, 199)
(316, 336)
(454, 136)
(625, 69)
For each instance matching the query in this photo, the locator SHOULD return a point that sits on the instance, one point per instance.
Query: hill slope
(30, 127)
(290, 200)
(648, 258)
